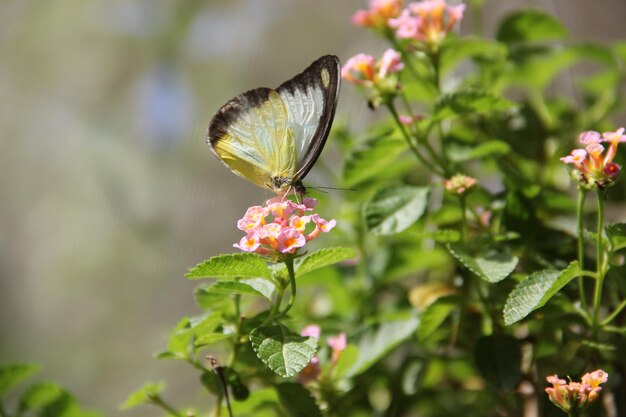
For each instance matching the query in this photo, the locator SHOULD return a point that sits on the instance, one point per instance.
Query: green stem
(434, 59)
(158, 401)
(407, 137)
(597, 295)
(292, 283)
(237, 342)
(462, 204)
(581, 244)
(484, 300)
(539, 105)
(614, 314)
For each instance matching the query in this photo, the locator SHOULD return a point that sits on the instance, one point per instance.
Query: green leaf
(435, 314)
(493, 266)
(617, 236)
(346, 361)
(394, 209)
(498, 358)
(143, 395)
(456, 50)
(40, 395)
(187, 330)
(490, 149)
(12, 374)
(376, 343)
(297, 400)
(372, 159)
(210, 339)
(535, 291)
(443, 235)
(524, 72)
(286, 353)
(462, 103)
(322, 258)
(530, 26)
(252, 286)
(234, 265)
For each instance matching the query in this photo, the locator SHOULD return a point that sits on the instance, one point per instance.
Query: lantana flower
(575, 396)
(337, 344)
(426, 23)
(592, 167)
(460, 184)
(376, 75)
(378, 14)
(281, 227)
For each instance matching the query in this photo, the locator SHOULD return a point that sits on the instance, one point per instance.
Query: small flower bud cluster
(460, 184)
(337, 344)
(576, 396)
(280, 227)
(593, 168)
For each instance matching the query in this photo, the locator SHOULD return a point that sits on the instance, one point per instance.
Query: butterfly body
(272, 137)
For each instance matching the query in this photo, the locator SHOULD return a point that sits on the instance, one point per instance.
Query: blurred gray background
(108, 192)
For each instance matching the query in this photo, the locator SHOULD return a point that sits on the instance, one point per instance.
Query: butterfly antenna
(321, 189)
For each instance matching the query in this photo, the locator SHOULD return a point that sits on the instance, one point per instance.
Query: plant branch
(292, 283)
(581, 244)
(597, 296)
(407, 137)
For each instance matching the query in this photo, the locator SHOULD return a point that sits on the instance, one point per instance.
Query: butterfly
(272, 137)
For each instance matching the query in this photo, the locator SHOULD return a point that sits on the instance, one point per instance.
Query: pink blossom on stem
(249, 243)
(390, 63)
(281, 227)
(427, 21)
(377, 75)
(593, 167)
(289, 239)
(359, 70)
(573, 396)
(407, 26)
(337, 345)
(589, 137)
(312, 330)
(379, 12)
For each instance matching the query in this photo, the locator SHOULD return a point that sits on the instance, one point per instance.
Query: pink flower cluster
(364, 70)
(337, 344)
(576, 395)
(425, 22)
(379, 13)
(593, 167)
(280, 227)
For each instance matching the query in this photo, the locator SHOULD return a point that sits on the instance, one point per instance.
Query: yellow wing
(251, 135)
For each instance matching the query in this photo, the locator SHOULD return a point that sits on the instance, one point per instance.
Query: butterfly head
(279, 184)
(284, 185)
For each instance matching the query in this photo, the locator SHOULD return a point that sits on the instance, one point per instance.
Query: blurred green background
(108, 191)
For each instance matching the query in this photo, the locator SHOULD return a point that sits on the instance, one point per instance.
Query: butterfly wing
(250, 135)
(311, 99)
(272, 138)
